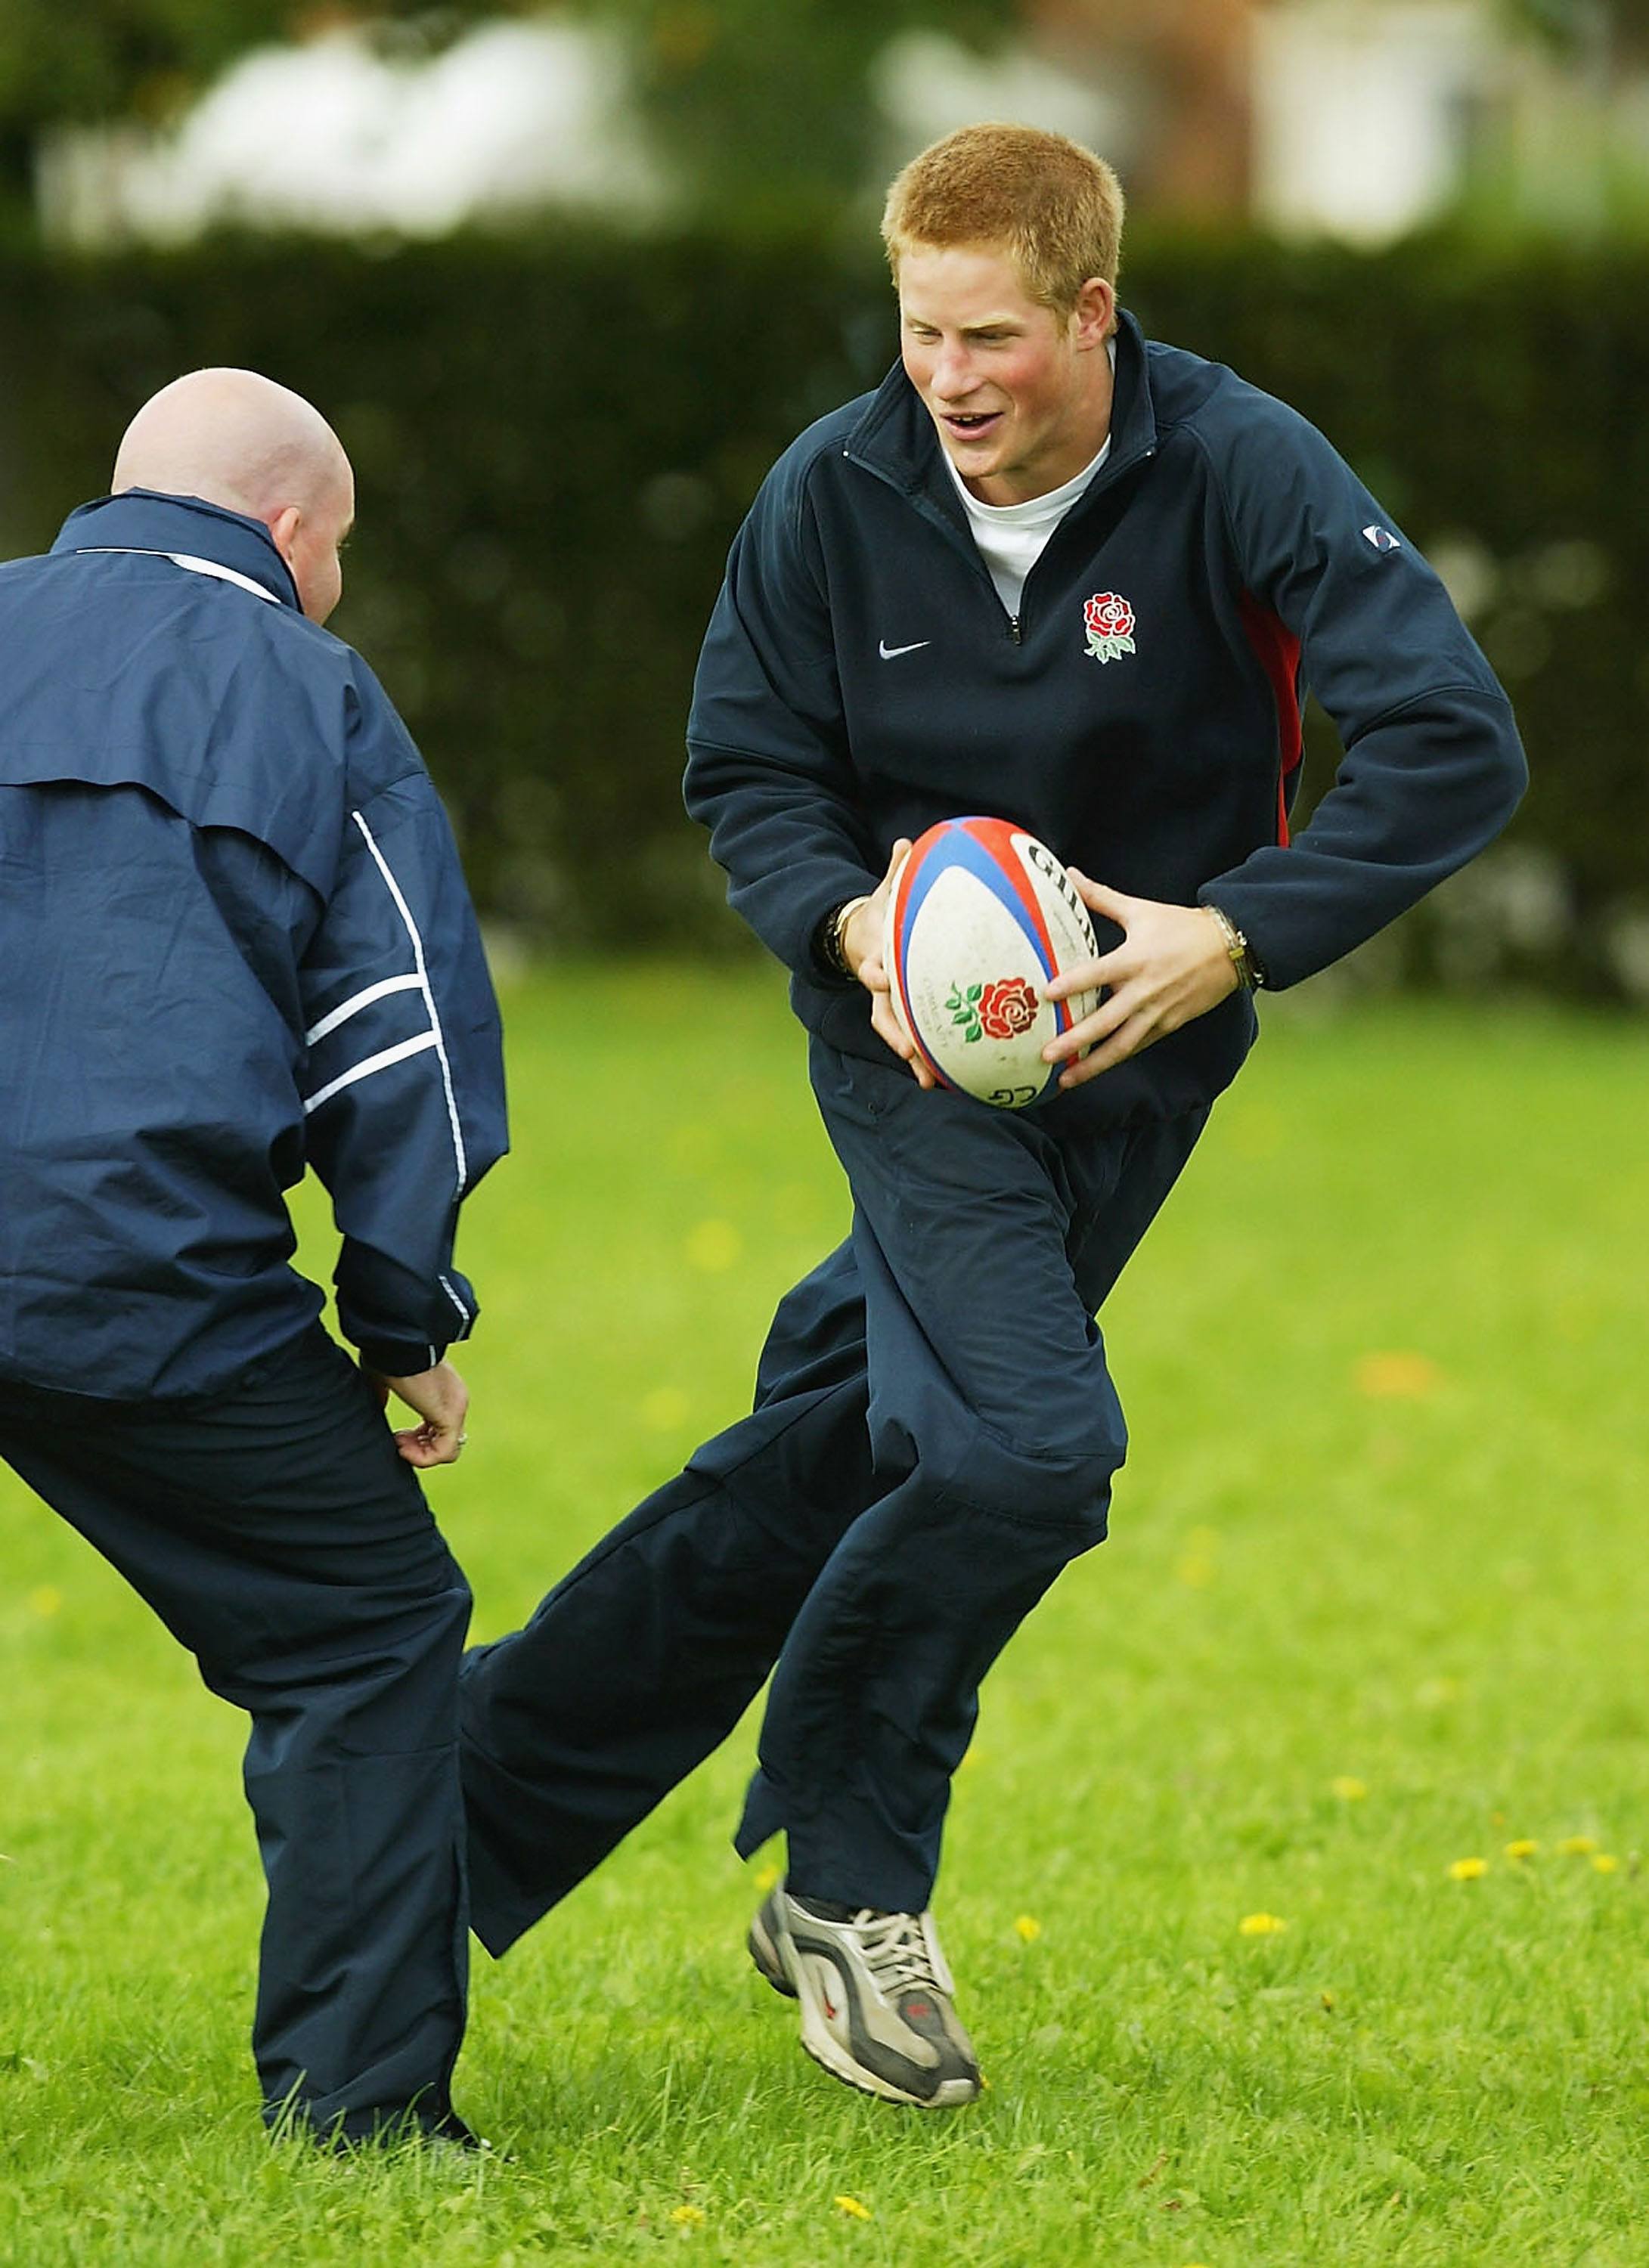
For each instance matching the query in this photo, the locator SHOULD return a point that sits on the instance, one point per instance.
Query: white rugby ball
(980, 916)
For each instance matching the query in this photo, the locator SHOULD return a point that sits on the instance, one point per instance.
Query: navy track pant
(934, 1439)
(277, 1534)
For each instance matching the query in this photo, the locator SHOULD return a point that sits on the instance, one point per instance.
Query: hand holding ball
(980, 916)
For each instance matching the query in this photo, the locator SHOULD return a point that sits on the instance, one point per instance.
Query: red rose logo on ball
(1007, 1008)
(1108, 620)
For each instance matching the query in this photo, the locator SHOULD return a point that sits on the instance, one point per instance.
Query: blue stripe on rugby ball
(955, 846)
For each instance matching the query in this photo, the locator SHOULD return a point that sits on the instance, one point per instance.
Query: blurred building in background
(1356, 119)
(341, 133)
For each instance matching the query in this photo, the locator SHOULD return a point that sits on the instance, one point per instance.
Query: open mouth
(970, 425)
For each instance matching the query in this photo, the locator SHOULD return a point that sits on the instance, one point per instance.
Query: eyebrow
(985, 322)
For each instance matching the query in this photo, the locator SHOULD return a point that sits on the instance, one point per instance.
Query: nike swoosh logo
(892, 652)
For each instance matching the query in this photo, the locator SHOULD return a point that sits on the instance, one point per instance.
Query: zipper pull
(1015, 631)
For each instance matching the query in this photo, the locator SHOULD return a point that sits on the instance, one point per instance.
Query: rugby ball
(980, 916)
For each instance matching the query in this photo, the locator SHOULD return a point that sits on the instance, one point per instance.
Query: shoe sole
(827, 2052)
(949, 2097)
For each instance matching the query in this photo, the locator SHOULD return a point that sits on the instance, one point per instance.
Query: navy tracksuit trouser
(934, 1439)
(277, 1534)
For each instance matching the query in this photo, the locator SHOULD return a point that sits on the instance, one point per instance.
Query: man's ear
(283, 528)
(1095, 315)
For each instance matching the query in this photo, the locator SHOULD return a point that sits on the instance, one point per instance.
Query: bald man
(235, 942)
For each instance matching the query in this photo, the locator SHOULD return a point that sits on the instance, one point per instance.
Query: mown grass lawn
(1374, 1606)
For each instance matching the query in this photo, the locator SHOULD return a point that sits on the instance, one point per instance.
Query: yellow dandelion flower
(1468, 1870)
(1027, 1927)
(853, 2209)
(1396, 1376)
(1261, 1924)
(714, 1245)
(688, 2216)
(768, 1878)
(1524, 1847)
(45, 1601)
(1577, 1846)
(1348, 1789)
(1604, 1862)
(663, 1409)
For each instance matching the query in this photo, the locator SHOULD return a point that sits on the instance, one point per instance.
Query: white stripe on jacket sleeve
(433, 1037)
(380, 1061)
(352, 1007)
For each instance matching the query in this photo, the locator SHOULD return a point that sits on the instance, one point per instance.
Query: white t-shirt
(1012, 537)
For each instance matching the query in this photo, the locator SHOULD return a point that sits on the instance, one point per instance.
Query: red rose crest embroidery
(1109, 622)
(1000, 1010)
(1007, 1008)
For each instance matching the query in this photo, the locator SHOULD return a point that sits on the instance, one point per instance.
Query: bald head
(235, 438)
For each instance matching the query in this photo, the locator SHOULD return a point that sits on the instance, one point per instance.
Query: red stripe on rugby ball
(996, 835)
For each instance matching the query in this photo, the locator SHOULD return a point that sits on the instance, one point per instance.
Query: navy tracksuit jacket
(235, 941)
(935, 1432)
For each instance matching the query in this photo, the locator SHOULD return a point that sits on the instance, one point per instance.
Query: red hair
(1055, 206)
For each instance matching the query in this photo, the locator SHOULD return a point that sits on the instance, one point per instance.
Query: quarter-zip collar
(140, 520)
(896, 438)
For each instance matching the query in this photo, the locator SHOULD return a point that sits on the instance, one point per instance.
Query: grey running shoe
(875, 1997)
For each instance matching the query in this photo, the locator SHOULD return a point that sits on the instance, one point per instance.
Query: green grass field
(1373, 1609)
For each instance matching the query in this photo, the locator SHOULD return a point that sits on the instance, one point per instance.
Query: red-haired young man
(1053, 572)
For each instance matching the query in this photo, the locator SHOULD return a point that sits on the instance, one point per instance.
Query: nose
(953, 375)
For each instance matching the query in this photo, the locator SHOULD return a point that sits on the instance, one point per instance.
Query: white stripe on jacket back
(393, 888)
(178, 559)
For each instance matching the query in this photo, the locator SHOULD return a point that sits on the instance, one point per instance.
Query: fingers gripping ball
(980, 916)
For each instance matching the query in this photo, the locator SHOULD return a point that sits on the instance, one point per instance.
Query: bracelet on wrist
(1250, 976)
(833, 937)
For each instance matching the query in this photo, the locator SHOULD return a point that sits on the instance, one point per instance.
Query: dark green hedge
(555, 436)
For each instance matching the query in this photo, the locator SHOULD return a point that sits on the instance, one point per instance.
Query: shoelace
(896, 1951)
